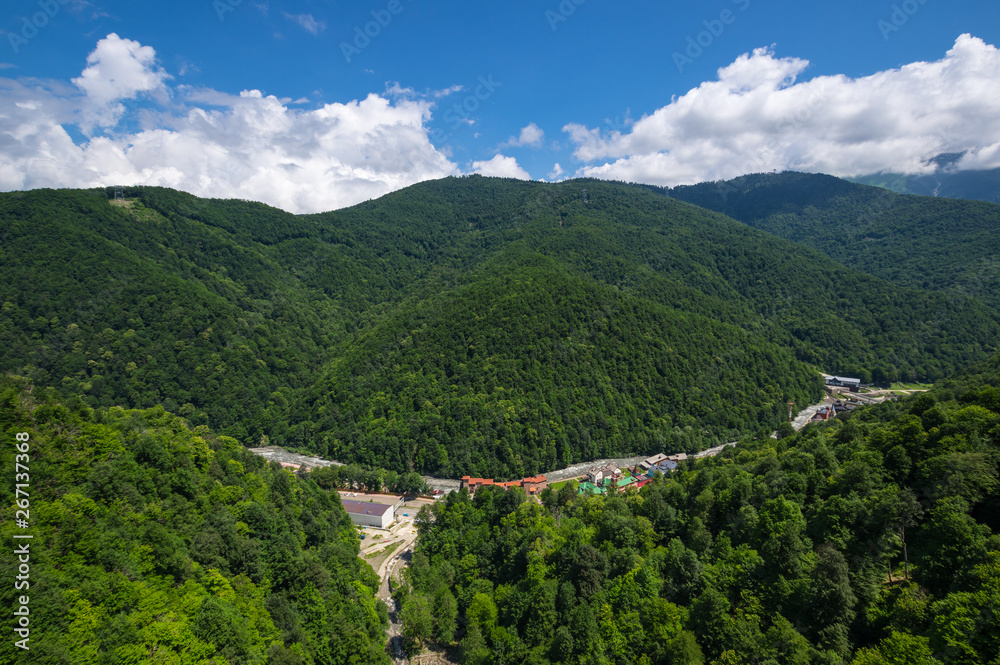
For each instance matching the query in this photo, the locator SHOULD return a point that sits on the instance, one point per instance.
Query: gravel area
(277, 454)
(806, 414)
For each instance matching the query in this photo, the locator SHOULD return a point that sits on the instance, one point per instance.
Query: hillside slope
(609, 318)
(978, 185)
(155, 542)
(914, 241)
(542, 356)
(871, 541)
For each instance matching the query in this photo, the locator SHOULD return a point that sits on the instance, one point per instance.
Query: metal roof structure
(365, 507)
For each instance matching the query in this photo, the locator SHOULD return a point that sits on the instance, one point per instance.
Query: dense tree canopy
(915, 241)
(462, 325)
(156, 542)
(867, 541)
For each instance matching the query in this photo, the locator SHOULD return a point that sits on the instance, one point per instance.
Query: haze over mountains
(977, 184)
(489, 325)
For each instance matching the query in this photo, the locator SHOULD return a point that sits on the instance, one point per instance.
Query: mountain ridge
(922, 242)
(268, 314)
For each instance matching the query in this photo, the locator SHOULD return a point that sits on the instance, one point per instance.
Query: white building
(367, 513)
(596, 475)
(844, 382)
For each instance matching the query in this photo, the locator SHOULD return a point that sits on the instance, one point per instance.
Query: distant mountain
(920, 242)
(466, 325)
(973, 185)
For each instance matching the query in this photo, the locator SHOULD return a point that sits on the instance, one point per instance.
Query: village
(381, 510)
(598, 480)
(385, 521)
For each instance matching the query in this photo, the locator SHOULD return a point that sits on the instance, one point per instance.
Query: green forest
(156, 542)
(915, 241)
(465, 325)
(855, 542)
(867, 541)
(481, 326)
(976, 184)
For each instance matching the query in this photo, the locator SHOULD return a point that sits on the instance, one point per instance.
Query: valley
(190, 369)
(462, 326)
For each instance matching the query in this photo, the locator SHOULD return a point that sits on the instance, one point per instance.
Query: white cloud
(532, 136)
(306, 22)
(758, 117)
(117, 69)
(501, 167)
(556, 172)
(211, 143)
(451, 90)
(394, 89)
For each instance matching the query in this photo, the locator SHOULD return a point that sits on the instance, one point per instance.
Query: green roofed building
(586, 487)
(625, 481)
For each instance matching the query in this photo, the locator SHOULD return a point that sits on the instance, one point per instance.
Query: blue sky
(292, 103)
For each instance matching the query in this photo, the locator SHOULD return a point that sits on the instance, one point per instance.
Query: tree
(472, 649)
(897, 649)
(562, 644)
(831, 600)
(684, 650)
(218, 623)
(445, 614)
(710, 619)
(785, 644)
(482, 612)
(952, 543)
(418, 621)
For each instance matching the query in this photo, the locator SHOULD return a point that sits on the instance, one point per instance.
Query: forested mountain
(979, 185)
(457, 326)
(914, 241)
(179, 304)
(870, 541)
(152, 542)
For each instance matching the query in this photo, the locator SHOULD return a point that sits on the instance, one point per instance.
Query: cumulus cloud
(758, 117)
(117, 69)
(531, 136)
(556, 172)
(501, 167)
(207, 142)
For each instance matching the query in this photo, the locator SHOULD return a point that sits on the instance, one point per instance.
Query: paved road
(574, 471)
(394, 566)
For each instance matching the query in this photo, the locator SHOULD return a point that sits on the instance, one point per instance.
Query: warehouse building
(368, 513)
(844, 382)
